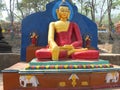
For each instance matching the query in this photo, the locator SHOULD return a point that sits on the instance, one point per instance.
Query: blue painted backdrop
(39, 22)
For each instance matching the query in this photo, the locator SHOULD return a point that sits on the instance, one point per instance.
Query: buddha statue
(65, 39)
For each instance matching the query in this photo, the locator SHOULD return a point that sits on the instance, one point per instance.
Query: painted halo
(56, 6)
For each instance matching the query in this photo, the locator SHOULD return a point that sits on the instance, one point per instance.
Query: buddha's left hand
(69, 47)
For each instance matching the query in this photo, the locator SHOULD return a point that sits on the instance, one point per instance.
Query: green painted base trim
(41, 71)
(71, 62)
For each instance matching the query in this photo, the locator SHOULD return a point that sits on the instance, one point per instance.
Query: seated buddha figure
(64, 39)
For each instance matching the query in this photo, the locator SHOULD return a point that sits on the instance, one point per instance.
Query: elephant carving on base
(112, 77)
(28, 79)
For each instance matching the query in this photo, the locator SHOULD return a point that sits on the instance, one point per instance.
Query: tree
(88, 6)
(1, 7)
(19, 8)
(102, 12)
(12, 3)
(27, 7)
(111, 4)
(92, 6)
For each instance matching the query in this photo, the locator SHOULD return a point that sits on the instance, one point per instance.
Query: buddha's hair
(63, 3)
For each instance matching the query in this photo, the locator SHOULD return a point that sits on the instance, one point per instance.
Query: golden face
(63, 12)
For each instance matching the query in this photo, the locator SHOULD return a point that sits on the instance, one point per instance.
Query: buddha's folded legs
(45, 53)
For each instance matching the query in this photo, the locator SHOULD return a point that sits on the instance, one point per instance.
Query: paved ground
(1, 82)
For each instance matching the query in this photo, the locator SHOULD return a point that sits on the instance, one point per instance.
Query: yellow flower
(75, 66)
(47, 66)
(37, 67)
(56, 66)
(65, 66)
(84, 66)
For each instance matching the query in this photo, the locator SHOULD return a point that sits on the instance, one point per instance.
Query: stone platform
(112, 58)
(9, 59)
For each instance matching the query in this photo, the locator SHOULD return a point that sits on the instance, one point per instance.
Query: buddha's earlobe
(68, 15)
(57, 12)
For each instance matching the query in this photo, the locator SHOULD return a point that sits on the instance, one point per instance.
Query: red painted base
(13, 80)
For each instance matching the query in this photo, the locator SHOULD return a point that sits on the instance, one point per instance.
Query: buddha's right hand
(55, 52)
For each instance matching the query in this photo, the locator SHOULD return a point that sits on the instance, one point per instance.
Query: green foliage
(2, 5)
(31, 6)
(26, 7)
(115, 4)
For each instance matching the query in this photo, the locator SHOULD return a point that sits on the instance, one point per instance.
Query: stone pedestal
(5, 47)
(77, 79)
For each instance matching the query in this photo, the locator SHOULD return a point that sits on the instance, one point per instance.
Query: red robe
(71, 37)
